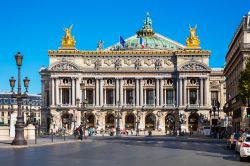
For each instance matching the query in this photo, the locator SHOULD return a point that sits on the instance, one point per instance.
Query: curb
(43, 144)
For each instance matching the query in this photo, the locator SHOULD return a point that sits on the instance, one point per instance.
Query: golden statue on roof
(193, 41)
(68, 40)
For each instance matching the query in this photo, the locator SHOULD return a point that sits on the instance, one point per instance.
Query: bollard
(35, 135)
(52, 136)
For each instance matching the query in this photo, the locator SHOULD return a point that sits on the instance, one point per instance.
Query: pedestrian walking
(81, 133)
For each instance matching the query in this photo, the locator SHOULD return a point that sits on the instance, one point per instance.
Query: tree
(244, 83)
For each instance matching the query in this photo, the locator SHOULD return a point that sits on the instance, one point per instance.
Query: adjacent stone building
(238, 52)
(150, 81)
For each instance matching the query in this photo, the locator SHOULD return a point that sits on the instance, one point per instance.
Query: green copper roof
(151, 40)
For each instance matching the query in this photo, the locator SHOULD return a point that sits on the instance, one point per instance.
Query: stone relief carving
(158, 63)
(109, 61)
(63, 66)
(193, 67)
(98, 64)
(128, 62)
(214, 85)
(89, 61)
(168, 61)
(148, 62)
(118, 63)
(138, 63)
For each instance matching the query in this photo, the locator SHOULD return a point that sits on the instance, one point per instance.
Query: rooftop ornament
(68, 41)
(193, 41)
(147, 29)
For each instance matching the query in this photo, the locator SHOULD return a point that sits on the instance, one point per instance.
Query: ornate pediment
(194, 66)
(64, 66)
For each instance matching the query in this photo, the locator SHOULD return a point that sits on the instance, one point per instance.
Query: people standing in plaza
(81, 133)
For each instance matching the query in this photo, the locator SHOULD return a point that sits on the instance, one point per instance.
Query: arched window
(169, 81)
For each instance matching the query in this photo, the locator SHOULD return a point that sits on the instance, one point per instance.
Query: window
(89, 81)
(89, 96)
(193, 96)
(129, 82)
(2, 113)
(169, 82)
(65, 81)
(193, 81)
(214, 98)
(109, 82)
(149, 82)
(150, 96)
(65, 96)
(109, 96)
(129, 96)
(169, 97)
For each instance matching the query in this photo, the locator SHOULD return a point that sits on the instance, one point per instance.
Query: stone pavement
(43, 141)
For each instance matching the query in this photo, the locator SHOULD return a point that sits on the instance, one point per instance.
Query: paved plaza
(110, 151)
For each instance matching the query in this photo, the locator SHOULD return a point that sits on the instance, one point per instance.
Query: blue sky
(34, 27)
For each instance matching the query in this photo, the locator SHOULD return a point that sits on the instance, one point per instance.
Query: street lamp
(138, 118)
(118, 119)
(83, 113)
(19, 127)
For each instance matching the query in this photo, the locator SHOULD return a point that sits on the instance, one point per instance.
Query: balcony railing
(245, 46)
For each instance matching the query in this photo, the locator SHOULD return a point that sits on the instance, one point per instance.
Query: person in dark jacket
(81, 133)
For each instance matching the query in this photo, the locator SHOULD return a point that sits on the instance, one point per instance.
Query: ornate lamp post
(138, 118)
(118, 112)
(19, 127)
(83, 113)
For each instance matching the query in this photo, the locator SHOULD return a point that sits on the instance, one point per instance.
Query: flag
(141, 42)
(122, 42)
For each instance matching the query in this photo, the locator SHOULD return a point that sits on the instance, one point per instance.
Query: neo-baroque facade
(159, 85)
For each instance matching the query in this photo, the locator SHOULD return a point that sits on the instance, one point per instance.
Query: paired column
(116, 90)
(161, 92)
(201, 90)
(180, 95)
(206, 97)
(141, 92)
(157, 92)
(57, 91)
(137, 92)
(185, 91)
(73, 92)
(121, 91)
(101, 92)
(52, 91)
(97, 95)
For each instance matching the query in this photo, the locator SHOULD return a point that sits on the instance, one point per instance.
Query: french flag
(141, 42)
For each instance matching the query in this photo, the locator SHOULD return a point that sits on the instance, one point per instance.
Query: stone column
(53, 91)
(70, 96)
(177, 92)
(137, 92)
(101, 92)
(97, 95)
(60, 95)
(113, 96)
(73, 92)
(188, 91)
(180, 96)
(57, 91)
(206, 92)
(141, 92)
(165, 96)
(105, 95)
(133, 96)
(125, 97)
(78, 88)
(121, 92)
(161, 92)
(145, 97)
(185, 91)
(197, 100)
(201, 91)
(117, 90)
(157, 92)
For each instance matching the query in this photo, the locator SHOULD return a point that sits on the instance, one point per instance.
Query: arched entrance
(130, 121)
(67, 120)
(150, 120)
(91, 120)
(110, 121)
(193, 122)
(170, 123)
